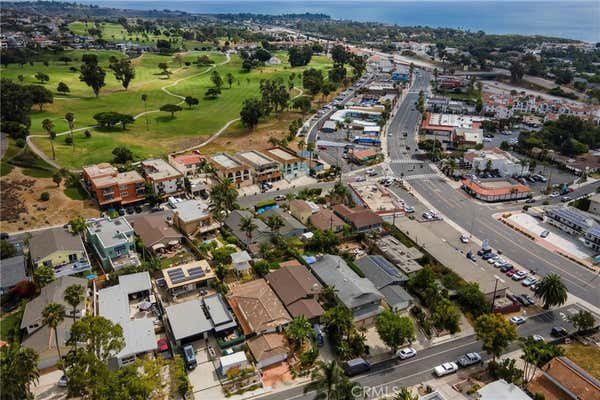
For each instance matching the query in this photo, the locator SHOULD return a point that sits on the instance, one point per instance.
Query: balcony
(72, 268)
(125, 260)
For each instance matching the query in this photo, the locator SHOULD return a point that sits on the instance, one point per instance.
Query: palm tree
(53, 315)
(223, 195)
(536, 354)
(70, 118)
(78, 225)
(74, 296)
(19, 372)
(552, 291)
(325, 380)
(48, 125)
(247, 225)
(298, 331)
(300, 144)
(310, 147)
(275, 222)
(405, 394)
(289, 196)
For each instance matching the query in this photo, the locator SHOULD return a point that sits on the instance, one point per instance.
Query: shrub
(45, 196)
(20, 142)
(69, 140)
(88, 134)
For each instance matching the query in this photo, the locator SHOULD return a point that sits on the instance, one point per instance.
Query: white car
(464, 238)
(493, 260)
(554, 194)
(62, 382)
(517, 320)
(280, 197)
(519, 275)
(361, 179)
(445, 369)
(409, 210)
(406, 352)
(529, 281)
(538, 338)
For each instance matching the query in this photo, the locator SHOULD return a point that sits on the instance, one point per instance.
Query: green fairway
(163, 134)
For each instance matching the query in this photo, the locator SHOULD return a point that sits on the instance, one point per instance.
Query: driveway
(46, 388)
(204, 380)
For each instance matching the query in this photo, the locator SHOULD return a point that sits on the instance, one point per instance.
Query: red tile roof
(482, 190)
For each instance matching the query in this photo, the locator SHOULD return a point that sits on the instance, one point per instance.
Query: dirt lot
(21, 209)
(585, 356)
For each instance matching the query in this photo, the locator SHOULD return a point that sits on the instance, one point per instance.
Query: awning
(158, 246)
(173, 242)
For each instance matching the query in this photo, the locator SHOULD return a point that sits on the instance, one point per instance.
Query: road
(386, 376)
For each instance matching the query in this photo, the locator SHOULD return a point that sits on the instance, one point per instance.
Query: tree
(248, 226)
(446, 315)
(191, 101)
(151, 197)
(338, 322)
(495, 332)
(325, 380)
(216, 79)
(275, 222)
(48, 126)
(298, 331)
(252, 111)
(100, 336)
(164, 67)
(230, 79)
(262, 55)
(583, 320)
(552, 291)
(339, 55)
(516, 71)
(78, 225)
(394, 330)
(122, 155)
(15, 106)
(7, 249)
(472, 300)
(170, 108)
(223, 196)
(109, 119)
(42, 77)
(18, 371)
(212, 93)
(536, 354)
(178, 58)
(57, 178)
(299, 55)
(312, 80)
(405, 394)
(123, 69)
(40, 95)
(91, 73)
(70, 118)
(302, 103)
(505, 369)
(62, 88)
(74, 296)
(53, 315)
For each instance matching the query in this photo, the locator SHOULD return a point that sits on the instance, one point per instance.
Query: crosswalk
(420, 177)
(406, 161)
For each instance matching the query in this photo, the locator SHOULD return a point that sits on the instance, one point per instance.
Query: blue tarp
(310, 259)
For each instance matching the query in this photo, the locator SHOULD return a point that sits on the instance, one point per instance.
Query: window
(124, 194)
(122, 187)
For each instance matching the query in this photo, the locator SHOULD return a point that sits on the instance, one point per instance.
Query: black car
(3, 235)
(506, 268)
(138, 209)
(524, 300)
(121, 211)
(529, 201)
(559, 331)
(530, 300)
(130, 210)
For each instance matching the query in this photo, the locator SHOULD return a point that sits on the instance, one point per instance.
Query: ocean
(561, 18)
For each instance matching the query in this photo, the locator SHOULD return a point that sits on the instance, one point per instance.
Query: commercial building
(595, 204)
(441, 127)
(329, 126)
(59, 249)
(264, 169)
(400, 255)
(363, 156)
(227, 167)
(358, 294)
(291, 165)
(467, 136)
(571, 220)
(113, 241)
(193, 217)
(109, 187)
(494, 159)
(495, 190)
(164, 178)
(591, 238)
(388, 279)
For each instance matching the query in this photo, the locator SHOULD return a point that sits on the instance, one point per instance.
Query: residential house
(269, 349)
(113, 241)
(360, 218)
(190, 165)
(241, 262)
(325, 219)
(114, 303)
(571, 220)
(291, 226)
(109, 187)
(227, 167)
(264, 169)
(40, 337)
(59, 249)
(298, 289)
(262, 233)
(291, 165)
(164, 178)
(156, 234)
(388, 279)
(193, 217)
(257, 308)
(219, 314)
(562, 379)
(188, 322)
(12, 271)
(189, 277)
(500, 390)
(358, 294)
(302, 209)
(400, 255)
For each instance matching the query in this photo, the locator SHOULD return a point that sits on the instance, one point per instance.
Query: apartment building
(113, 241)
(291, 165)
(264, 169)
(164, 178)
(227, 167)
(110, 187)
(190, 165)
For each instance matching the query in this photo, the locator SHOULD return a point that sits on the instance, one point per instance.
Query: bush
(69, 140)
(88, 134)
(20, 142)
(45, 196)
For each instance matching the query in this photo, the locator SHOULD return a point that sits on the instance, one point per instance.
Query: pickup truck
(469, 359)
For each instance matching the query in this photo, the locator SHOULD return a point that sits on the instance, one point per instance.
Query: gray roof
(240, 257)
(218, 312)
(133, 283)
(191, 210)
(139, 337)
(110, 232)
(352, 290)
(188, 319)
(262, 233)
(500, 390)
(291, 226)
(380, 271)
(48, 241)
(396, 296)
(573, 216)
(12, 271)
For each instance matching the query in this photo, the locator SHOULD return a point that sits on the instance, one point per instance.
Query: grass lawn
(585, 356)
(9, 324)
(164, 134)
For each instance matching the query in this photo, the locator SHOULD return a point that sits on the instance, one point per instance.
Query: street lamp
(495, 288)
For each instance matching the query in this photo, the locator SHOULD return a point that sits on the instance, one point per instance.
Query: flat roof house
(188, 321)
(298, 290)
(257, 308)
(264, 169)
(227, 167)
(219, 313)
(188, 277)
(39, 336)
(356, 293)
(164, 178)
(113, 240)
(362, 219)
(59, 249)
(291, 165)
(193, 217)
(387, 279)
(291, 226)
(138, 332)
(241, 261)
(262, 233)
(110, 187)
(401, 256)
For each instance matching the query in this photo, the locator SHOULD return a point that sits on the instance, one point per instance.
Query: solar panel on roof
(386, 266)
(179, 280)
(196, 271)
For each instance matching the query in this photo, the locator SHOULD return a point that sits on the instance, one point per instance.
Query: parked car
(558, 331)
(279, 197)
(487, 256)
(445, 369)
(189, 355)
(511, 272)
(4, 236)
(471, 256)
(506, 268)
(538, 338)
(409, 210)
(62, 382)
(528, 298)
(130, 210)
(544, 234)
(529, 281)
(162, 344)
(519, 275)
(565, 199)
(469, 359)
(493, 259)
(464, 238)
(554, 194)
(356, 366)
(406, 352)
(517, 320)
(121, 211)
(529, 201)
(361, 179)
(138, 209)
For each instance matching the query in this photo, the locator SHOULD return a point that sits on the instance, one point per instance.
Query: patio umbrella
(145, 305)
